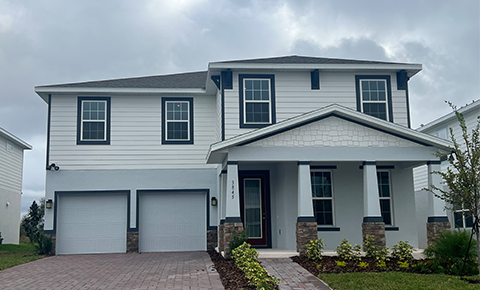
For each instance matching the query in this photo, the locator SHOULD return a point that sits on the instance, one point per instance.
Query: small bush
(315, 249)
(341, 264)
(363, 265)
(372, 251)
(403, 265)
(238, 240)
(347, 252)
(402, 251)
(448, 253)
(246, 259)
(44, 245)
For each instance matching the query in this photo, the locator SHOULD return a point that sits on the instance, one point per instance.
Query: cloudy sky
(57, 41)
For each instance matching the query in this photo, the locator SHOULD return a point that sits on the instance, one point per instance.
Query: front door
(255, 206)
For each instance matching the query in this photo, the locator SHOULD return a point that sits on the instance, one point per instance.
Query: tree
(32, 222)
(463, 175)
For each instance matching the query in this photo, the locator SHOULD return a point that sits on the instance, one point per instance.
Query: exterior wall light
(49, 204)
(214, 201)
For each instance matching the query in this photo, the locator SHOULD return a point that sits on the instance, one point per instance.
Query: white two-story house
(292, 148)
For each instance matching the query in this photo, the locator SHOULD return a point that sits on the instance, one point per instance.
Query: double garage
(98, 222)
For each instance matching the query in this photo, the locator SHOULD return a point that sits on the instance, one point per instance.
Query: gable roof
(218, 151)
(475, 105)
(296, 59)
(15, 139)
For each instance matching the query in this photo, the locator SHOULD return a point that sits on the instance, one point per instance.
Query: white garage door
(90, 224)
(172, 221)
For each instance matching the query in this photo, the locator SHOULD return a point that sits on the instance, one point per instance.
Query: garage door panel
(172, 221)
(91, 224)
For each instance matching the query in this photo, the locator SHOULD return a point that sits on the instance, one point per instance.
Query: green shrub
(448, 253)
(347, 252)
(246, 259)
(44, 245)
(315, 249)
(372, 251)
(402, 251)
(363, 265)
(238, 240)
(341, 264)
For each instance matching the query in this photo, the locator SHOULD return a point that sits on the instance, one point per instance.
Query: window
(442, 133)
(93, 120)
(462, 217)
(384, 193)
(177, 121)
(322, 197)
(257, 100)
(374, 96)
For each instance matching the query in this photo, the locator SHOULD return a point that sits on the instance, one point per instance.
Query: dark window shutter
(402, 80)
(227, 79)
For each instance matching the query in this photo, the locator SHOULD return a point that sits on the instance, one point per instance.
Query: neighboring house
(441, 128)
(292, 147)
(11, 173)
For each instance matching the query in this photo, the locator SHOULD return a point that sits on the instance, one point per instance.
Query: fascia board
(342, 111)
(15, 139)
(450, 116)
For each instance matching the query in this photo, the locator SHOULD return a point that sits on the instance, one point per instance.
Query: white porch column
(305, 205)
(232, 194)
(436, 206)
(371, 202)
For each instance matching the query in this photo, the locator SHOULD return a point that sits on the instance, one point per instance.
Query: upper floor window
(384, 192)
(322, 197)
(93, 120)
(177, 121)
(257, 100)
(374, 96)
(442, 133)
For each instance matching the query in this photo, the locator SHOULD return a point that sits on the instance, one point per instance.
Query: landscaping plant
(246, 259)
(315, 249)
(449, 251)
(238, 240)
(402, 251)
(372, 251)
(348, 252)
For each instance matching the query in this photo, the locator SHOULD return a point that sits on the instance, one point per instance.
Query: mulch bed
(328, 265)
(230, 275)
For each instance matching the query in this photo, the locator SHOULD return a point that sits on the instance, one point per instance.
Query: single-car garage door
(172, 221)
(91, 223)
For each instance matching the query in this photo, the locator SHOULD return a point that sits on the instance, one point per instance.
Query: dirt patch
(230, 275)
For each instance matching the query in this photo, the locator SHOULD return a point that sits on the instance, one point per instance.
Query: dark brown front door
(255, 207)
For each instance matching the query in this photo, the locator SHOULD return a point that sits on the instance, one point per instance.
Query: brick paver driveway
(189, 270)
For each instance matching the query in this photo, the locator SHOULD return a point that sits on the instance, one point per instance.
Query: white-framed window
(253, 207)
(374, 99)
(443, 133)
(257, 100)
(93, 120)
(177, 121)
(462, 217)
(322, 197)
(385, 196)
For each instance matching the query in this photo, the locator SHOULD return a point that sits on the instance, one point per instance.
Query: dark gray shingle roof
(191, 80)
(295, 59)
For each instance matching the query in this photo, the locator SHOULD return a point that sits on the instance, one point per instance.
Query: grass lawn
(393, 281)
(12, 255)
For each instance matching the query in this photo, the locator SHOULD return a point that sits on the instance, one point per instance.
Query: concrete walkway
(189, 270)
(293, 275)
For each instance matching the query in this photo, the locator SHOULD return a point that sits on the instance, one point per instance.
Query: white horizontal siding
(420, 178)
(294, 96)
(218, 116)
(11, 166)
(135, 139)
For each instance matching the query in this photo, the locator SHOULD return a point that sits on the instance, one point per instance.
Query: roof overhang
(463, 110)
(15, 139)
(218, 151)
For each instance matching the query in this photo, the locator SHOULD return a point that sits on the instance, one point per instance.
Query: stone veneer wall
(54, 242)
(433, 228)
(377, 230)
(221, 241)
(228, 230)
(211, 239)
(305, 232)
(132, 242)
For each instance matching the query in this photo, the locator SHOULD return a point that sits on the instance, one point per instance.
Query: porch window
(384, 193)
(322, 197)
(462, 217)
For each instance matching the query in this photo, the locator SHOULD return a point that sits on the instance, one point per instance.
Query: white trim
(177, 121)
(463, 110)
(390, 197)
(15, 139)
(331, 198)
(91, 121)
(362, 101)
(245, 101)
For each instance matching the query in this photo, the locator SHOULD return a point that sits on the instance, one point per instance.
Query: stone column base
(377, 230)
(132, 242)
(433, 229)
(211, 239)
(221, 241)
(228, 230)
(54, 242)
(305, 232)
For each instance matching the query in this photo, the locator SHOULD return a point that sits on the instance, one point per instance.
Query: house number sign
(233, 189)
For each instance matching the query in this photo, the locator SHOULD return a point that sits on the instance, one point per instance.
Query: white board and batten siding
(294, 96)
(135, 139)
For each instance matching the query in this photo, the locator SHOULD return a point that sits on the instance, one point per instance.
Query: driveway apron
(180, 270)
